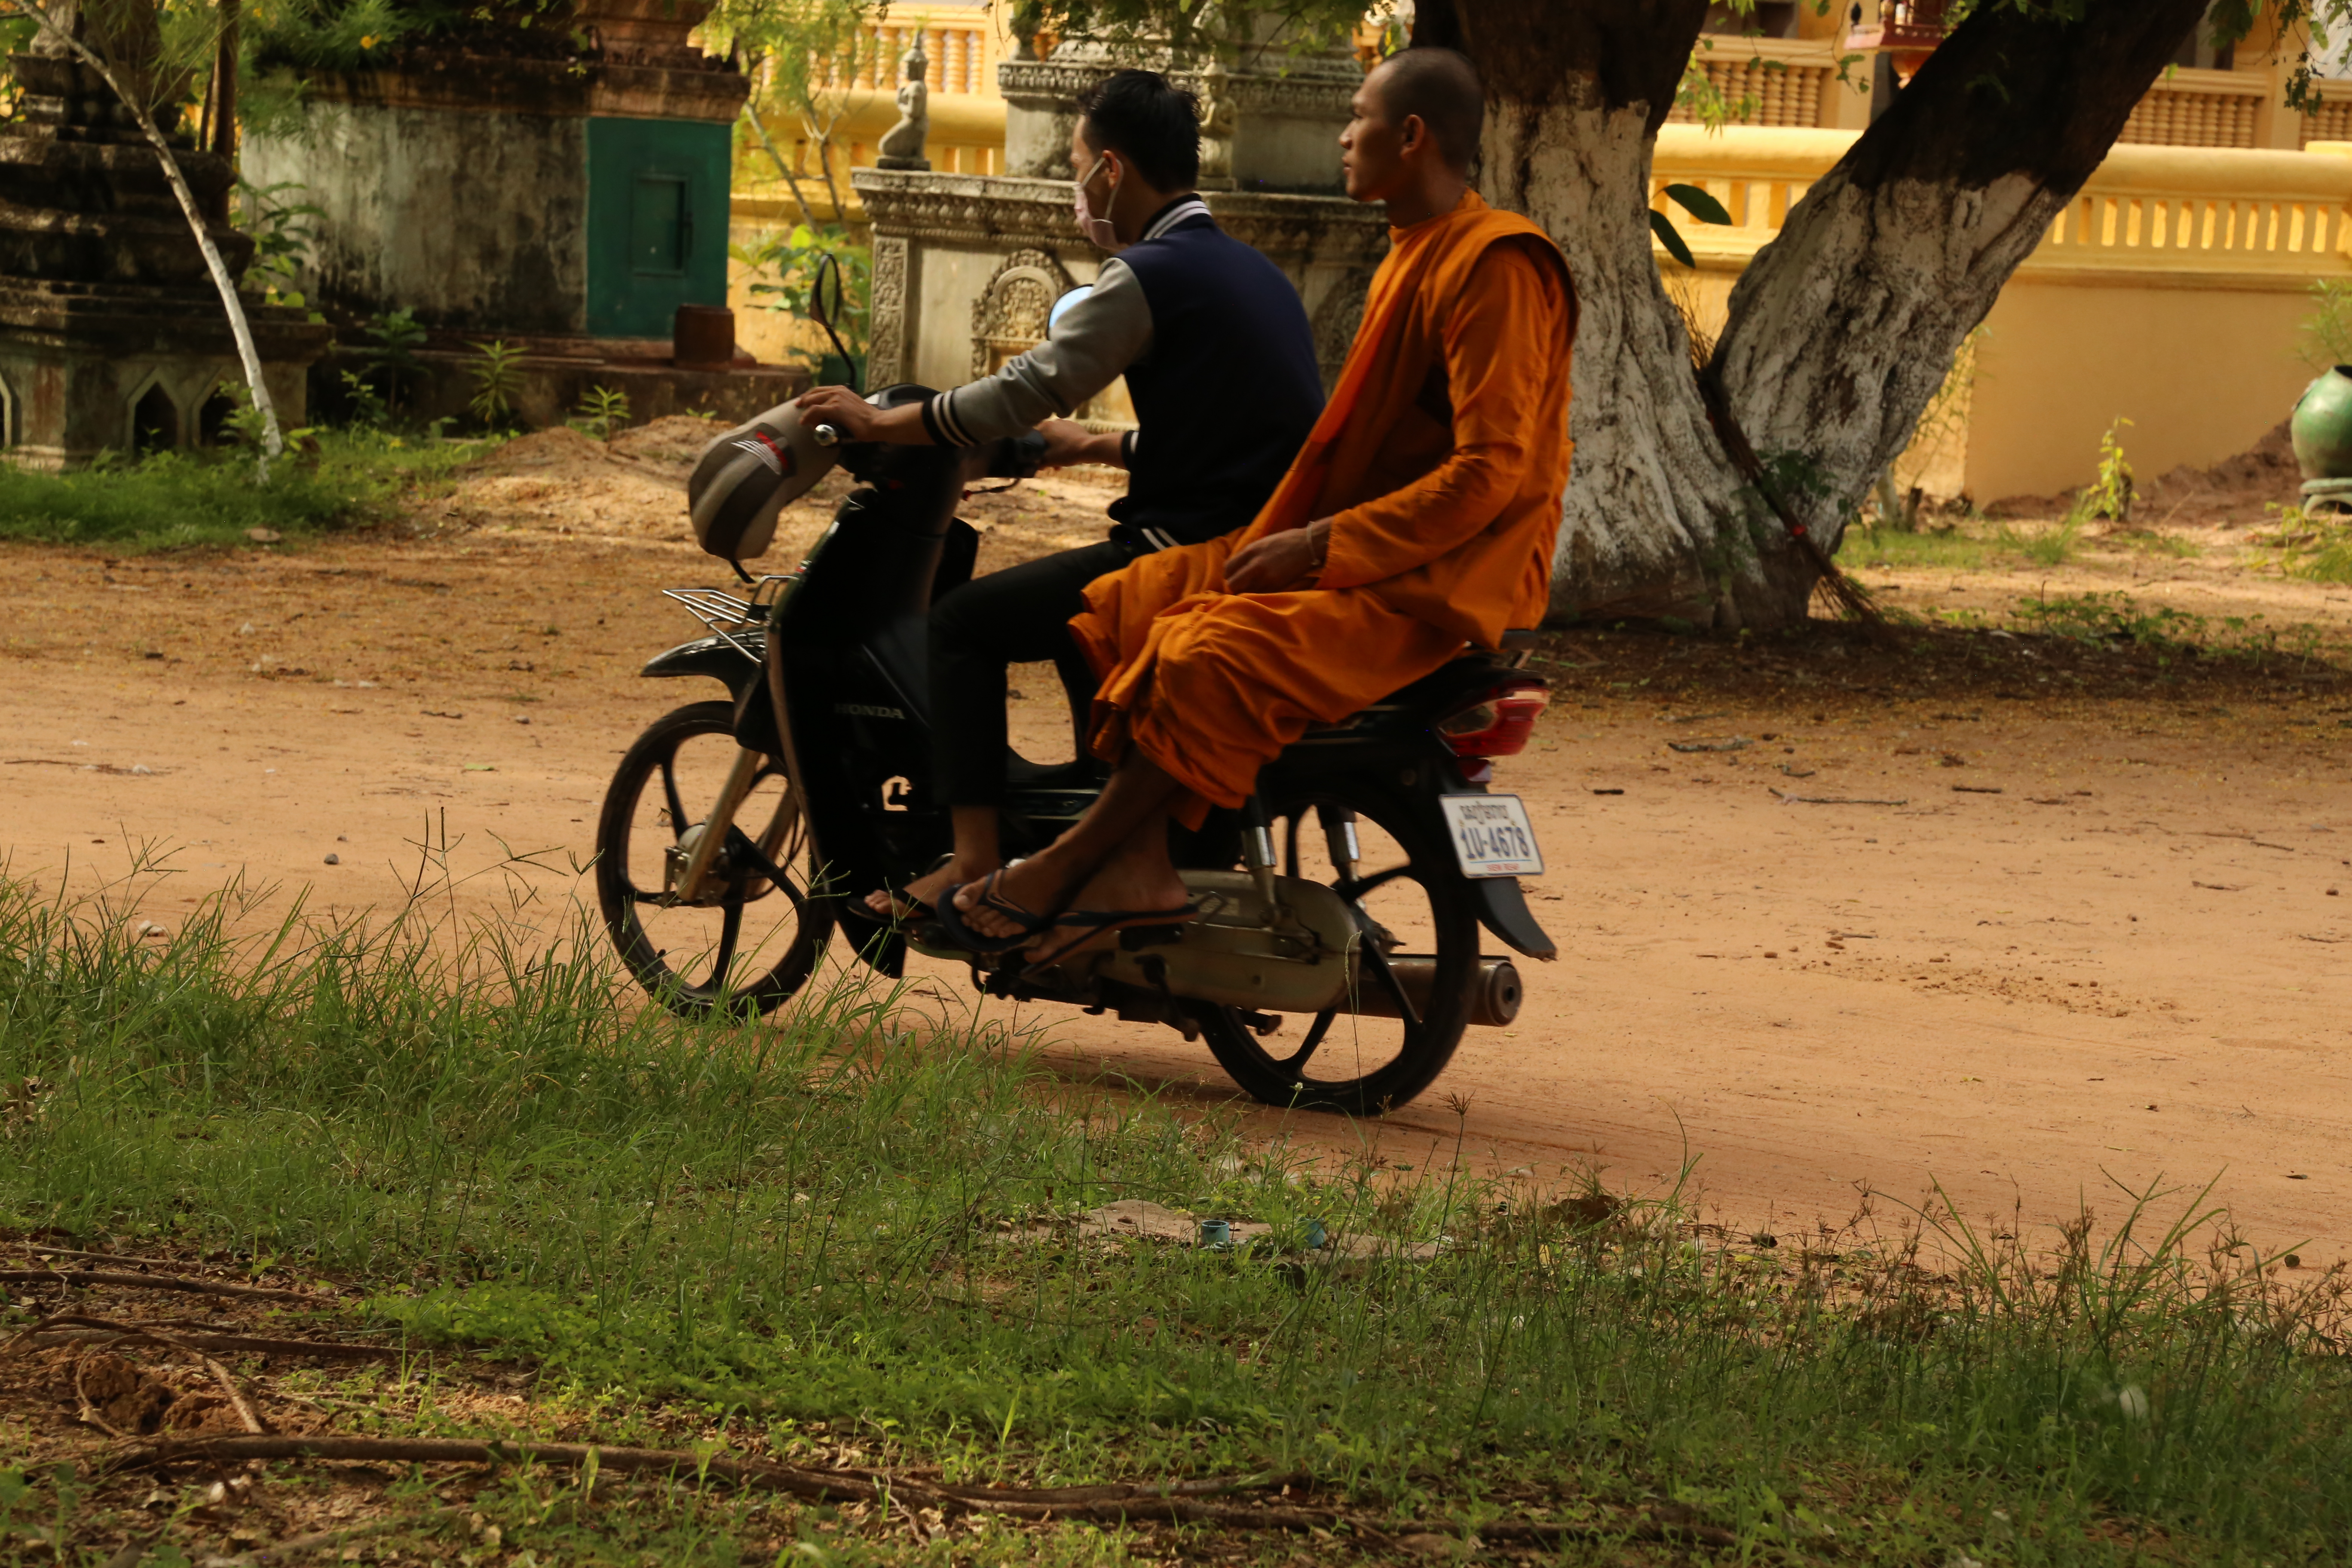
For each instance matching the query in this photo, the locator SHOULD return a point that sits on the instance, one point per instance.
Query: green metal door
(656, 223)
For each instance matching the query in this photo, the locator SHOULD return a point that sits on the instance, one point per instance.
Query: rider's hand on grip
(1017, 456)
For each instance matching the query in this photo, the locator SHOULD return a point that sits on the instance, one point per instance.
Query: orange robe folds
(1440, 461)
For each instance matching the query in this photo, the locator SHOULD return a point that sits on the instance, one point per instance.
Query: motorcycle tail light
(1497, 722)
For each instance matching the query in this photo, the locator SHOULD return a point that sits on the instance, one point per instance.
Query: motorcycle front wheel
(1417, 956)
(750, 941)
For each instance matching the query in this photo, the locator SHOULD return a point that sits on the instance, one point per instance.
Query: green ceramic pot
(2322, 427)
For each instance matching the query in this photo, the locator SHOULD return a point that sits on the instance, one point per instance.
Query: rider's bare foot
(1128, 881)
(1042, 883)
(929, 888)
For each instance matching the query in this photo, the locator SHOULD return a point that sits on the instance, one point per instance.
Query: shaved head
(1442, 88)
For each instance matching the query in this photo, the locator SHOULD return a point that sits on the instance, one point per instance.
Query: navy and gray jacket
(1219, 360)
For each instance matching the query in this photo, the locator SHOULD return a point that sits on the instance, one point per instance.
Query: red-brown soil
(2128, 963)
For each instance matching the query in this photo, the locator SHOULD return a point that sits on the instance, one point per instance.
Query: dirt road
(2098, 932)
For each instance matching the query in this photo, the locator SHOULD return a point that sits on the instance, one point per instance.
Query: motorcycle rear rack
(740, 623)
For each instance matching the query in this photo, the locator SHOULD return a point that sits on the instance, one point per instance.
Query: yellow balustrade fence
(1781, 83)
(2200, 109)
(962, 51)
(2176, 209)
(2170, 291)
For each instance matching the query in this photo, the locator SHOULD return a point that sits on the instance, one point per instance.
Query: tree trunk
(224, 93)
(1841, 330)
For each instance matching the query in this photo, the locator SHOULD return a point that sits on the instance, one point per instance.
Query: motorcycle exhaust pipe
(1493, 1001)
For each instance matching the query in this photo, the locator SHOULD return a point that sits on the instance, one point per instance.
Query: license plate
(1492, 836)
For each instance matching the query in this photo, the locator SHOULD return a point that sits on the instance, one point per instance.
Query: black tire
(1387, 1061)
(657, 939)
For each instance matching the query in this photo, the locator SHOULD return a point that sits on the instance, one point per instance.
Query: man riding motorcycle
(1219, 365)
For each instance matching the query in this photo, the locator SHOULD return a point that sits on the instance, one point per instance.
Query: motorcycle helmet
(747, 476)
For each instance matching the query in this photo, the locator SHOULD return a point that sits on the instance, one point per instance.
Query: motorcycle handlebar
(1016, 456)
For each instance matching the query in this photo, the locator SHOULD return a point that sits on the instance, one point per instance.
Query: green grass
(2318, 549)
(857, 1220)
(1953, 548)
(172, 499)
(1945, 549)
(2113, 617)
(2052, 546)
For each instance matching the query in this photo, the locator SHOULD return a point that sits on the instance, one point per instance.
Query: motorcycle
(1347, 896)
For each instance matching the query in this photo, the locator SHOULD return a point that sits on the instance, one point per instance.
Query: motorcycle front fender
(755, 722)
(715, 657)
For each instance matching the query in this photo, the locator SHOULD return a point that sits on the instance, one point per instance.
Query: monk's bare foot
(927, 888)
(1127, 882)
(1040, 884)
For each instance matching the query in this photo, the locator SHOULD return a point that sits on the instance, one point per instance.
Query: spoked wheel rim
(1407, 905)
(755, 934)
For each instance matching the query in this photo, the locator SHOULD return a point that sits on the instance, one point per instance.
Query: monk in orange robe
(1419, 517)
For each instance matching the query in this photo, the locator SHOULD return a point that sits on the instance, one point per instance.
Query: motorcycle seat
(1473, 664)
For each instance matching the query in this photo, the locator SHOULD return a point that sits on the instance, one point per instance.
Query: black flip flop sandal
(905, 906)
(950, 920)
(1097, 923)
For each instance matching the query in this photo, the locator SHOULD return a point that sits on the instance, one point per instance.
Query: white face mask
(1098, 229)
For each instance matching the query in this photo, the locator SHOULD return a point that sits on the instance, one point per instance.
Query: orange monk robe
(1440, 460)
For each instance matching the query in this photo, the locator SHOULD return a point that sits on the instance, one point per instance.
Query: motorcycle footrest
(1135, 938)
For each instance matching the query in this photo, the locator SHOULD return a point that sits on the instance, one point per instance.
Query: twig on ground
(1787, 799)
(150, 1282)
(115, 1334)
(89, 1414)
(74, 1329)
(220, 1375)
(1648, 1527)
(133, 1551)
(39, 1251)
(818, 1485)
(318, 1538)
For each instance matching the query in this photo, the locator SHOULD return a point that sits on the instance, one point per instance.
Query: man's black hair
(1441, 87)
(1149, 122)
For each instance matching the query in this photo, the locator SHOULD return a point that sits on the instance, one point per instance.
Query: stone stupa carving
(112, 335)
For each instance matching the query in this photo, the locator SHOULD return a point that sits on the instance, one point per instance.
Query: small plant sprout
(601, 411)
(2110, 495)
(498, 381)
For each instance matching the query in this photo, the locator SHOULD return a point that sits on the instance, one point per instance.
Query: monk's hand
(1275, 564)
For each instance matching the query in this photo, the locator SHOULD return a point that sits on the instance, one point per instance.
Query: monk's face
(1377, 152)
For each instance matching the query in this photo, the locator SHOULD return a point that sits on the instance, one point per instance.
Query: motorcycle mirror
(747, 476)
(825, 310)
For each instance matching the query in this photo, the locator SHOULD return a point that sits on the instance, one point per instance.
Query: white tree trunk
(1655, 523)
(1842, 329)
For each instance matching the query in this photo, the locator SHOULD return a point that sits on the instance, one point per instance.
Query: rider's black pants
(1018, 615)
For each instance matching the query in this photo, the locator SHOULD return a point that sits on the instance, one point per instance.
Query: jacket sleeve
(1502, 341)
(1089, 348)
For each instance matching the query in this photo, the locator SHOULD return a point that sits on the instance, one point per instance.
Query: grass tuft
(865, 1217)
(173, 499)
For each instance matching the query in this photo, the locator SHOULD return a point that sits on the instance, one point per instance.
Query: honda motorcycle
(1335, 962)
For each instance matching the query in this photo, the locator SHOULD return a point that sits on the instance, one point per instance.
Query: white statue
(902, 144)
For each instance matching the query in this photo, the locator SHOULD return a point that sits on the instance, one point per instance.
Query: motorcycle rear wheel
(747, 949)
(1408, 896)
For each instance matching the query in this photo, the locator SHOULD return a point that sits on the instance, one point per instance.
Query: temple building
(2172, 293)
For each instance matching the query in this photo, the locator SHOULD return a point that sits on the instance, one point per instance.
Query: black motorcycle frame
(836, 686)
